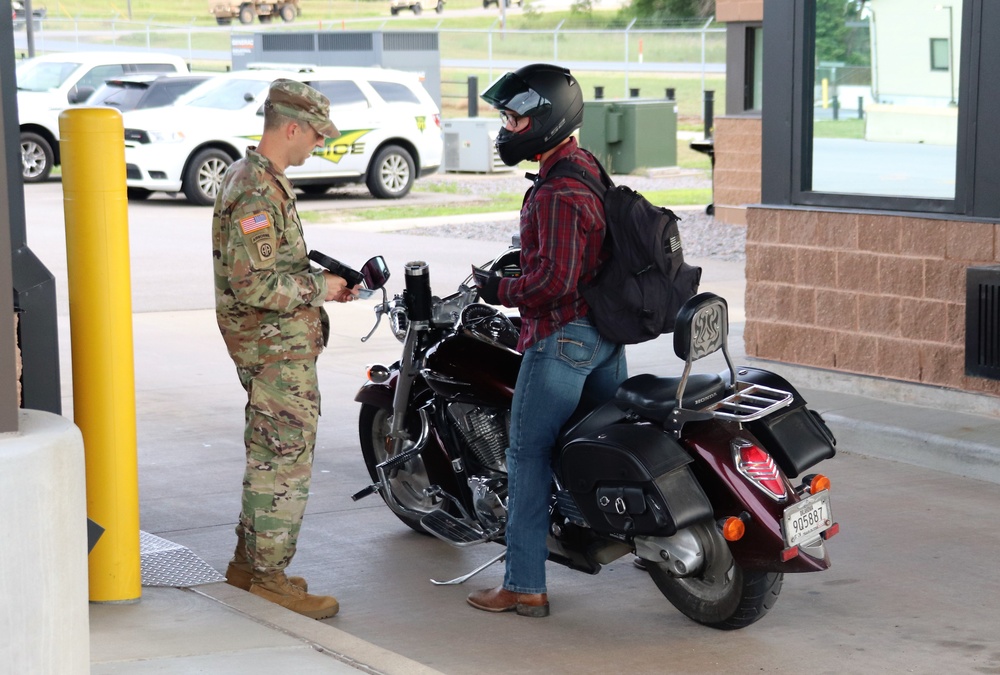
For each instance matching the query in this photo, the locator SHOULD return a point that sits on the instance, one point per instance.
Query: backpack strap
(567, 168)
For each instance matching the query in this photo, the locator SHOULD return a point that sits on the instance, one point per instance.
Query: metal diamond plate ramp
(165, 563)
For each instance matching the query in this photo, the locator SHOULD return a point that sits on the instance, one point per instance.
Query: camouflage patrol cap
(299, 101)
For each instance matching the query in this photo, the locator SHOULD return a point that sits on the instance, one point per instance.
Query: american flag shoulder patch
(257, 221)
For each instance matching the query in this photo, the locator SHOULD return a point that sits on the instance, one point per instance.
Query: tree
(841, 35)
(673, 9)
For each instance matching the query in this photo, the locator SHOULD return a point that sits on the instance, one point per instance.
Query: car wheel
(417, 9)
(390, 175)
(393, 11)
(439, 7)
(36, 158)
(287, 13)
(204, 176)
(247, 14)
(138, 194)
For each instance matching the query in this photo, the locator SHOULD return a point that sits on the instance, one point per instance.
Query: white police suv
(390, 133)
(47, 85)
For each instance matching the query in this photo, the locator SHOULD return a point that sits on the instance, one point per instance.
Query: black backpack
(639, 289)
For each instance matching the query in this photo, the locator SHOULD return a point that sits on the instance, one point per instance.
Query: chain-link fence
(685, 50)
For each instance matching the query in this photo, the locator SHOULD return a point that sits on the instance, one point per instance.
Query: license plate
(805, 520)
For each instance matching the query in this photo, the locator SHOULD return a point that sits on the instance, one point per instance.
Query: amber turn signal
(733, 529)
(377, 373)
(819, 483)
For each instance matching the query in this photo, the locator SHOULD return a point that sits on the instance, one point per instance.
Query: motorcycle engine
(485, 431)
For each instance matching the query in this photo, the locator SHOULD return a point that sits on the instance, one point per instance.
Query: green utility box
(626, 135)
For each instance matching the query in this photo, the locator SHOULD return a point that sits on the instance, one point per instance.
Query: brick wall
(864, 293)
(737, 167)
(739, 10)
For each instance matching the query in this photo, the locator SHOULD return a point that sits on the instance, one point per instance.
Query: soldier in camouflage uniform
(269, 306)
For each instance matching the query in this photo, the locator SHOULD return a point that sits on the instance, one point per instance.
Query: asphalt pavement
(912, 587)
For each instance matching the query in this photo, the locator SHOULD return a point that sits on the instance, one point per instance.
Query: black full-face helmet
(552, 100)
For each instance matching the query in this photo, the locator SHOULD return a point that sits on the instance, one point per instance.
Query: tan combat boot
(276, 588)
(240, 571)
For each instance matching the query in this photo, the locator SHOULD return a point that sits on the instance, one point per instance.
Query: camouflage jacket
(268, 300)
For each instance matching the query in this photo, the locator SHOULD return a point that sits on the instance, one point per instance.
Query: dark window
(394, 92)
(123, 97)
(939, 54)
(343, 94)
(96, 76)
(165, 92)
(753, 77)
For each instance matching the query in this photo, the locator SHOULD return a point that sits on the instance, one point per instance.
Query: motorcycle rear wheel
(724, 595)
(408, 482)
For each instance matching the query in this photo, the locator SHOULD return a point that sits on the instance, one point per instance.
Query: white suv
(47, 85)
(390, 133)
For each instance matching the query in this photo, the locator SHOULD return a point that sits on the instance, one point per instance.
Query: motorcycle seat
(654, 398)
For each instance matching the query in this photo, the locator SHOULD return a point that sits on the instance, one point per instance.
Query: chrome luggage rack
(750, 402)
(702, 329)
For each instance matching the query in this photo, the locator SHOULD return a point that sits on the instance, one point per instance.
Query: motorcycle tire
(724, 595)
(409, 481)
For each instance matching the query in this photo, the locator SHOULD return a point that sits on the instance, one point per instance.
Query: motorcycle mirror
(375, 272)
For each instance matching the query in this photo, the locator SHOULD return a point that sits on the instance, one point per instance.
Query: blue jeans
(573, 364)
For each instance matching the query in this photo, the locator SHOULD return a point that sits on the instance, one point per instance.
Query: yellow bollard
(100, 305)
(825, 88)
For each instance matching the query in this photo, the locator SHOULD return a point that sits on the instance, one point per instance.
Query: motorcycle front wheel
(723, 595)
(409, 483)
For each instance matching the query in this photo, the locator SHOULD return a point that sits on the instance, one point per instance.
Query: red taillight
(758, 467)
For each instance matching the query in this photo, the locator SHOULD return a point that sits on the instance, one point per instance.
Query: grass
(850, 128)
(477, 37)
(498, 203)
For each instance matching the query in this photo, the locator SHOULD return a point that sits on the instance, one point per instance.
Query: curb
(325, 638)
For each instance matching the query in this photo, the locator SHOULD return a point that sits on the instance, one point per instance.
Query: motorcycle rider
(565, 359)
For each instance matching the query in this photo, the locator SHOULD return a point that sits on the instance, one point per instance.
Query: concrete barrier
(44, 616)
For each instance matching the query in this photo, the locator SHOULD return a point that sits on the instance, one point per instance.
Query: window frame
(740, 41)
(787, 127)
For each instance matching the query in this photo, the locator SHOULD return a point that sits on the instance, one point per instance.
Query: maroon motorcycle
(691, 474)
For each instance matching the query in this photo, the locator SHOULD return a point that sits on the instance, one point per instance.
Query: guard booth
(413, 51)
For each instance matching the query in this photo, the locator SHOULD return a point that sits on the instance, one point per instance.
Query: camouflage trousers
(281, 417)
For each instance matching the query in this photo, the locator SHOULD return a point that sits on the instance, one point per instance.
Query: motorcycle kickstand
(466, 577)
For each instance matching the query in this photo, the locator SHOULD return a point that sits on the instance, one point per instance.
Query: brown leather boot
(240, 574)
(276, 588)
(499, 599)
(240, 571)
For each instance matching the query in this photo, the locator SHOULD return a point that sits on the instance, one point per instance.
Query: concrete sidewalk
(218, 629)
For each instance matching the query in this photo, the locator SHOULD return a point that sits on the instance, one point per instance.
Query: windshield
(225, 94)
(43, 75)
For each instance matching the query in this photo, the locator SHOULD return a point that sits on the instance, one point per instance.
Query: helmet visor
(511, 92)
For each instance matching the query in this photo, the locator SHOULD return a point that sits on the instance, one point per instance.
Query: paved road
(912, 589)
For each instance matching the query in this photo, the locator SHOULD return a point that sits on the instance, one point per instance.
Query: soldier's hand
(337, 289)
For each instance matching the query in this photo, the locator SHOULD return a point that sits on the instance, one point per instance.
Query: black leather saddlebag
(632, 480)
(795, 436)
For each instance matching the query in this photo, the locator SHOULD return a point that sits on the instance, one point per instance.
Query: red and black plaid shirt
(562, 229)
